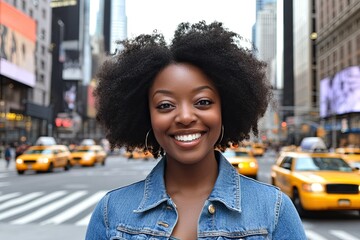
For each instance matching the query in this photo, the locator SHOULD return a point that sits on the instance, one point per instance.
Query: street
(58, 205)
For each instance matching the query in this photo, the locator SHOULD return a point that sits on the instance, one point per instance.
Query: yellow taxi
(88, 155)
(243, 160)
(317, 181)
(138, 154)
(44, 158)
(258, 149)
(351, 155)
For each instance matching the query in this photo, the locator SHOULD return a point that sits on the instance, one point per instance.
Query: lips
(187, 137)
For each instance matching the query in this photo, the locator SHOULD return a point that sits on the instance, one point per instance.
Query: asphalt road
(57, 205)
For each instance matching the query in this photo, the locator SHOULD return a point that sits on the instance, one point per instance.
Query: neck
(190, 178)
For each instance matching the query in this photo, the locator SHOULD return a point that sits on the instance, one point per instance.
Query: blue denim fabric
(244, 209)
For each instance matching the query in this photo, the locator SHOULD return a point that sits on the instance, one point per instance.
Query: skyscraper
(118, 23)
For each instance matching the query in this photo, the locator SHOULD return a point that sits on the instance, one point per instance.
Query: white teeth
(188, 138)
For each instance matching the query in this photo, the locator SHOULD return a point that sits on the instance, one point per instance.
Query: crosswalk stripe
(73, 211)
(84, 222)
(3, 175)
(343, 235)
(21, 200)
(4, 184)
(311, 235)
(49, 208)
(8, 196)
(32, 204)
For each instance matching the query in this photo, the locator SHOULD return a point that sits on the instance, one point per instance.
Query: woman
(183, 102)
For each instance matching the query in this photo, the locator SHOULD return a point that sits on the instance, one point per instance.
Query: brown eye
(164, 106)
(204, 102)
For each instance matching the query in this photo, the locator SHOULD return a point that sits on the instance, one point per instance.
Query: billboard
(340, 94)
(17, 45)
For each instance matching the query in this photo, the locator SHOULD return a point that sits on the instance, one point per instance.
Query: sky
(145, 16)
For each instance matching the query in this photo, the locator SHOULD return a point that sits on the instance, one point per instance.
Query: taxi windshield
(321, 164)
(83, 150)
(38, 151)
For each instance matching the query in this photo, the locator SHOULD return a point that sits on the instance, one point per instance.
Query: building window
(42, 34)
(31, 13)
(41, 78)
(24, 5)
(42, 64)
(43, 11)
(42, 50)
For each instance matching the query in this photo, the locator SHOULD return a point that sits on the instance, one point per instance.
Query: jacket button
(211, 209)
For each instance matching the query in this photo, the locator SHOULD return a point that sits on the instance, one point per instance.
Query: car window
(241, 154)
(286, 163)
(38, 151)
(322, 164)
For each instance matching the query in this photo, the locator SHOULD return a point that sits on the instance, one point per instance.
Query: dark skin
(185, 113)
(189, 186)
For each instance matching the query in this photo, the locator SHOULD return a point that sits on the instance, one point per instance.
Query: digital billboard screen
(340, 94)
(17, 45)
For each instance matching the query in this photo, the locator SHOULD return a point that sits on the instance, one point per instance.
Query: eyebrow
(198, 89)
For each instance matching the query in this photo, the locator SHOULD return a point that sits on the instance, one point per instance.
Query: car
(317, 181)
(43, 158)
(243, 160)
(258, 149)
(351, 155)
(88, 155)
(138, 153)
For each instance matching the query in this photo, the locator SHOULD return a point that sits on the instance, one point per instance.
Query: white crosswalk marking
(73, 211)
(30, 205)
(20, 200)
(311, 235)
(49, 208)
(4, 184)
(84, 222)
(8, 196)
(3, 175)
(343, 235)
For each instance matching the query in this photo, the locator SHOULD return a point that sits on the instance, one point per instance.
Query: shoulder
(128, 192)
(253, 191)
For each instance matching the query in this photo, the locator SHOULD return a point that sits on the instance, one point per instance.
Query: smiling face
(185, 112)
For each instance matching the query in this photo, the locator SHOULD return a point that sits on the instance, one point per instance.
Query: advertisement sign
(70, 95)
(17, 45)
(91, 111)
(340, 94)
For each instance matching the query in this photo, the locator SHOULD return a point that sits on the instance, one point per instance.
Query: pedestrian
(7, 155)
(186, 102)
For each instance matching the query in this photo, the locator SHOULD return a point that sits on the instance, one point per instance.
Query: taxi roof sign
(313, 144)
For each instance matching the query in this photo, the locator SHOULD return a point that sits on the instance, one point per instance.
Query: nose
(185, 114)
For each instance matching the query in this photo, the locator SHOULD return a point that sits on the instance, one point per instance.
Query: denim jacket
(237, 208)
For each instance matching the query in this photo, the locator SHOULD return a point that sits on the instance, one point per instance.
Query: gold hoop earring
(146, 140)
(222, 134)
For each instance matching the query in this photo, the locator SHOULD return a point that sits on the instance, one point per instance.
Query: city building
(338, 70)
(25, 70)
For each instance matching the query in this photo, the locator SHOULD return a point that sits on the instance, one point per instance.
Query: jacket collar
(226, 189)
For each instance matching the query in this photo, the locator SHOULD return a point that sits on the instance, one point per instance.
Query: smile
(188, 137)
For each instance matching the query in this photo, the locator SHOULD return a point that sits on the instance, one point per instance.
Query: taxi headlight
(313, 187)
(19, 161)
(43, 160)
(240, 165)
(252, 164)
